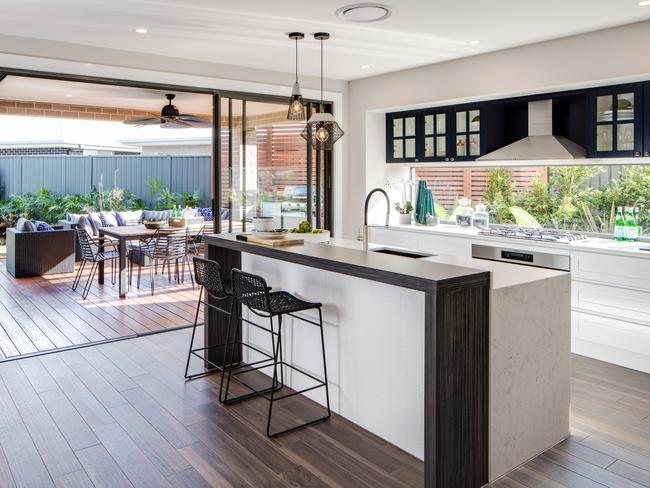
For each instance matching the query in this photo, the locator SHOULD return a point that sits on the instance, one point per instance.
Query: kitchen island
(447, 360)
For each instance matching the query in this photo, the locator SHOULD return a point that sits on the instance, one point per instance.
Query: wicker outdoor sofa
(40, 253)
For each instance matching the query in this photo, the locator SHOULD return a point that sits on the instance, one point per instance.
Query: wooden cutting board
(284, 241)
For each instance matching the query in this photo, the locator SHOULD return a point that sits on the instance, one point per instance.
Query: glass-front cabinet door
(436, 146)
(401, 140)
(467, 134)
(616, 125)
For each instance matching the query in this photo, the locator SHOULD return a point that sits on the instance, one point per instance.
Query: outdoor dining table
(124, 234)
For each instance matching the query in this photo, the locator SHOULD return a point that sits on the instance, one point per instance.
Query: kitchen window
(575, 198)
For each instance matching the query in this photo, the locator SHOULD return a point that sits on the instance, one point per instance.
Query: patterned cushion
(108, 219)
(42, 226)
(128, 218)
(206, 213)
(156, 214)
(95, 222)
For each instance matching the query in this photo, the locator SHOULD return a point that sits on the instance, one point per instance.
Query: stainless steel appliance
(547, 235)
(517, 256)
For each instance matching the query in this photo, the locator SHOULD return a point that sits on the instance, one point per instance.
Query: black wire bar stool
(252, 291)
(207, 275)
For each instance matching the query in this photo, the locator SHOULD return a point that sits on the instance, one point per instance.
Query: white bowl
(323, 236)
(263, 224)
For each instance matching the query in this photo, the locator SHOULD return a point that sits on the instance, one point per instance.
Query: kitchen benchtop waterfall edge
(416, 274)
(455, 345)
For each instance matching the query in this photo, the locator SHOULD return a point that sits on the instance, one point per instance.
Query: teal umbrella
(424, 203)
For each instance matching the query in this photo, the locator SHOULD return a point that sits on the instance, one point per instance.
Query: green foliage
(165, 199)
(500, 195)
(49, 207)
(568, 200)
(407, 209)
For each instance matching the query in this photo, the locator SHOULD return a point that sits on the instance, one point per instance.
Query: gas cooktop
(546, 235)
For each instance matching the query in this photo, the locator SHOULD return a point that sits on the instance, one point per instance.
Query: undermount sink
(405, 253)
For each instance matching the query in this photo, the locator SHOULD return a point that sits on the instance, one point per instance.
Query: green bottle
(630, 225)
(619, 225)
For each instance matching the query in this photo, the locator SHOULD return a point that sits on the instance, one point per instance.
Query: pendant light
(297, 109)
(322, 130)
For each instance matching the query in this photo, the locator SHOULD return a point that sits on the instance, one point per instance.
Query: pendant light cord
(296, 60)
(321, 71)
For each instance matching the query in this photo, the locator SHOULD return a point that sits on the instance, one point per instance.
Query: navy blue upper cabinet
(437, 134)
(402, 135)
(466, 138)
(615, 121)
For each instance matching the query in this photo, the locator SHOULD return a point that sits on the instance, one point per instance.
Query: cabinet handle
(451, 159)
(446, 159)
(637, 154)
(646, 154)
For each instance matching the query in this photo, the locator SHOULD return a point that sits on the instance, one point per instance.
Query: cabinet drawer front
(436, 244)
(612, 333)
(617, 302)
(387, 237)
(617, 270)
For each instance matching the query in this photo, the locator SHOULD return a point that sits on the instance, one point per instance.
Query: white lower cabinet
(610, 294)
(611, 308)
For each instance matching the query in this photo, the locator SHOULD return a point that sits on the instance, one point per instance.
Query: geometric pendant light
(297, 109)
(322, 130)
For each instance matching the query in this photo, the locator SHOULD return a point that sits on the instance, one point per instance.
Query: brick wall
(72, 111)
(39, 151)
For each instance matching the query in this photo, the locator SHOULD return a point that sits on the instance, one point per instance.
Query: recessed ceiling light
(644, 3)
(365, 12)
(365, 66)
(474, 41)
(141, 30)
(68, 95)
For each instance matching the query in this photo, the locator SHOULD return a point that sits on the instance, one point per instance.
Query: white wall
(616, 54)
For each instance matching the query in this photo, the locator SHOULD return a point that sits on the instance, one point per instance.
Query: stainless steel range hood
(540, 143)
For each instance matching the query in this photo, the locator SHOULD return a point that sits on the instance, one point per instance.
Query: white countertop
(503, 275)
(592, 244)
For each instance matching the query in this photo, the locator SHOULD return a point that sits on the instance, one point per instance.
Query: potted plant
(405, 212)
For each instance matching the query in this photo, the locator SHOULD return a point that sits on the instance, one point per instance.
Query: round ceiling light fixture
(365, 12)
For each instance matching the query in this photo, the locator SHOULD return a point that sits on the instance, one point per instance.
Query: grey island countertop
(418, 274)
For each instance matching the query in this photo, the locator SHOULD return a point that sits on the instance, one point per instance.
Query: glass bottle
(619, 225)
(481, 217)
(630, 225)
(464, 213)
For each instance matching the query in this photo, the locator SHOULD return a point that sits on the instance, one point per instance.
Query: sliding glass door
(266, 166)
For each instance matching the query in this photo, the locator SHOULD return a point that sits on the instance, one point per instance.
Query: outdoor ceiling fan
(171, 118)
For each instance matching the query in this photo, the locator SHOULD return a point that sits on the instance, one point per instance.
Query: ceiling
(252, 33)
(56, 91)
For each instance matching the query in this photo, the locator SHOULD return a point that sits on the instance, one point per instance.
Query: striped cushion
(156, 214)
(108, 219)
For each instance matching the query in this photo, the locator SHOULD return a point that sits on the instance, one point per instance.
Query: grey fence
(78, 174)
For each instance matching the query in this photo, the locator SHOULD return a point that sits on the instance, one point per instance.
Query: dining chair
(91, 253)
(166, 247)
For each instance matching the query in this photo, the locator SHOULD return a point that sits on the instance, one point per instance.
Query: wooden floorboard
(121, 414)
(43, 313)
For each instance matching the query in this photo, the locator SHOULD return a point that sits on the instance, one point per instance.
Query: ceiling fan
(171, 118)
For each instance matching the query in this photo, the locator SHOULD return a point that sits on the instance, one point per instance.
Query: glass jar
(481, 217)
(464, 213)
